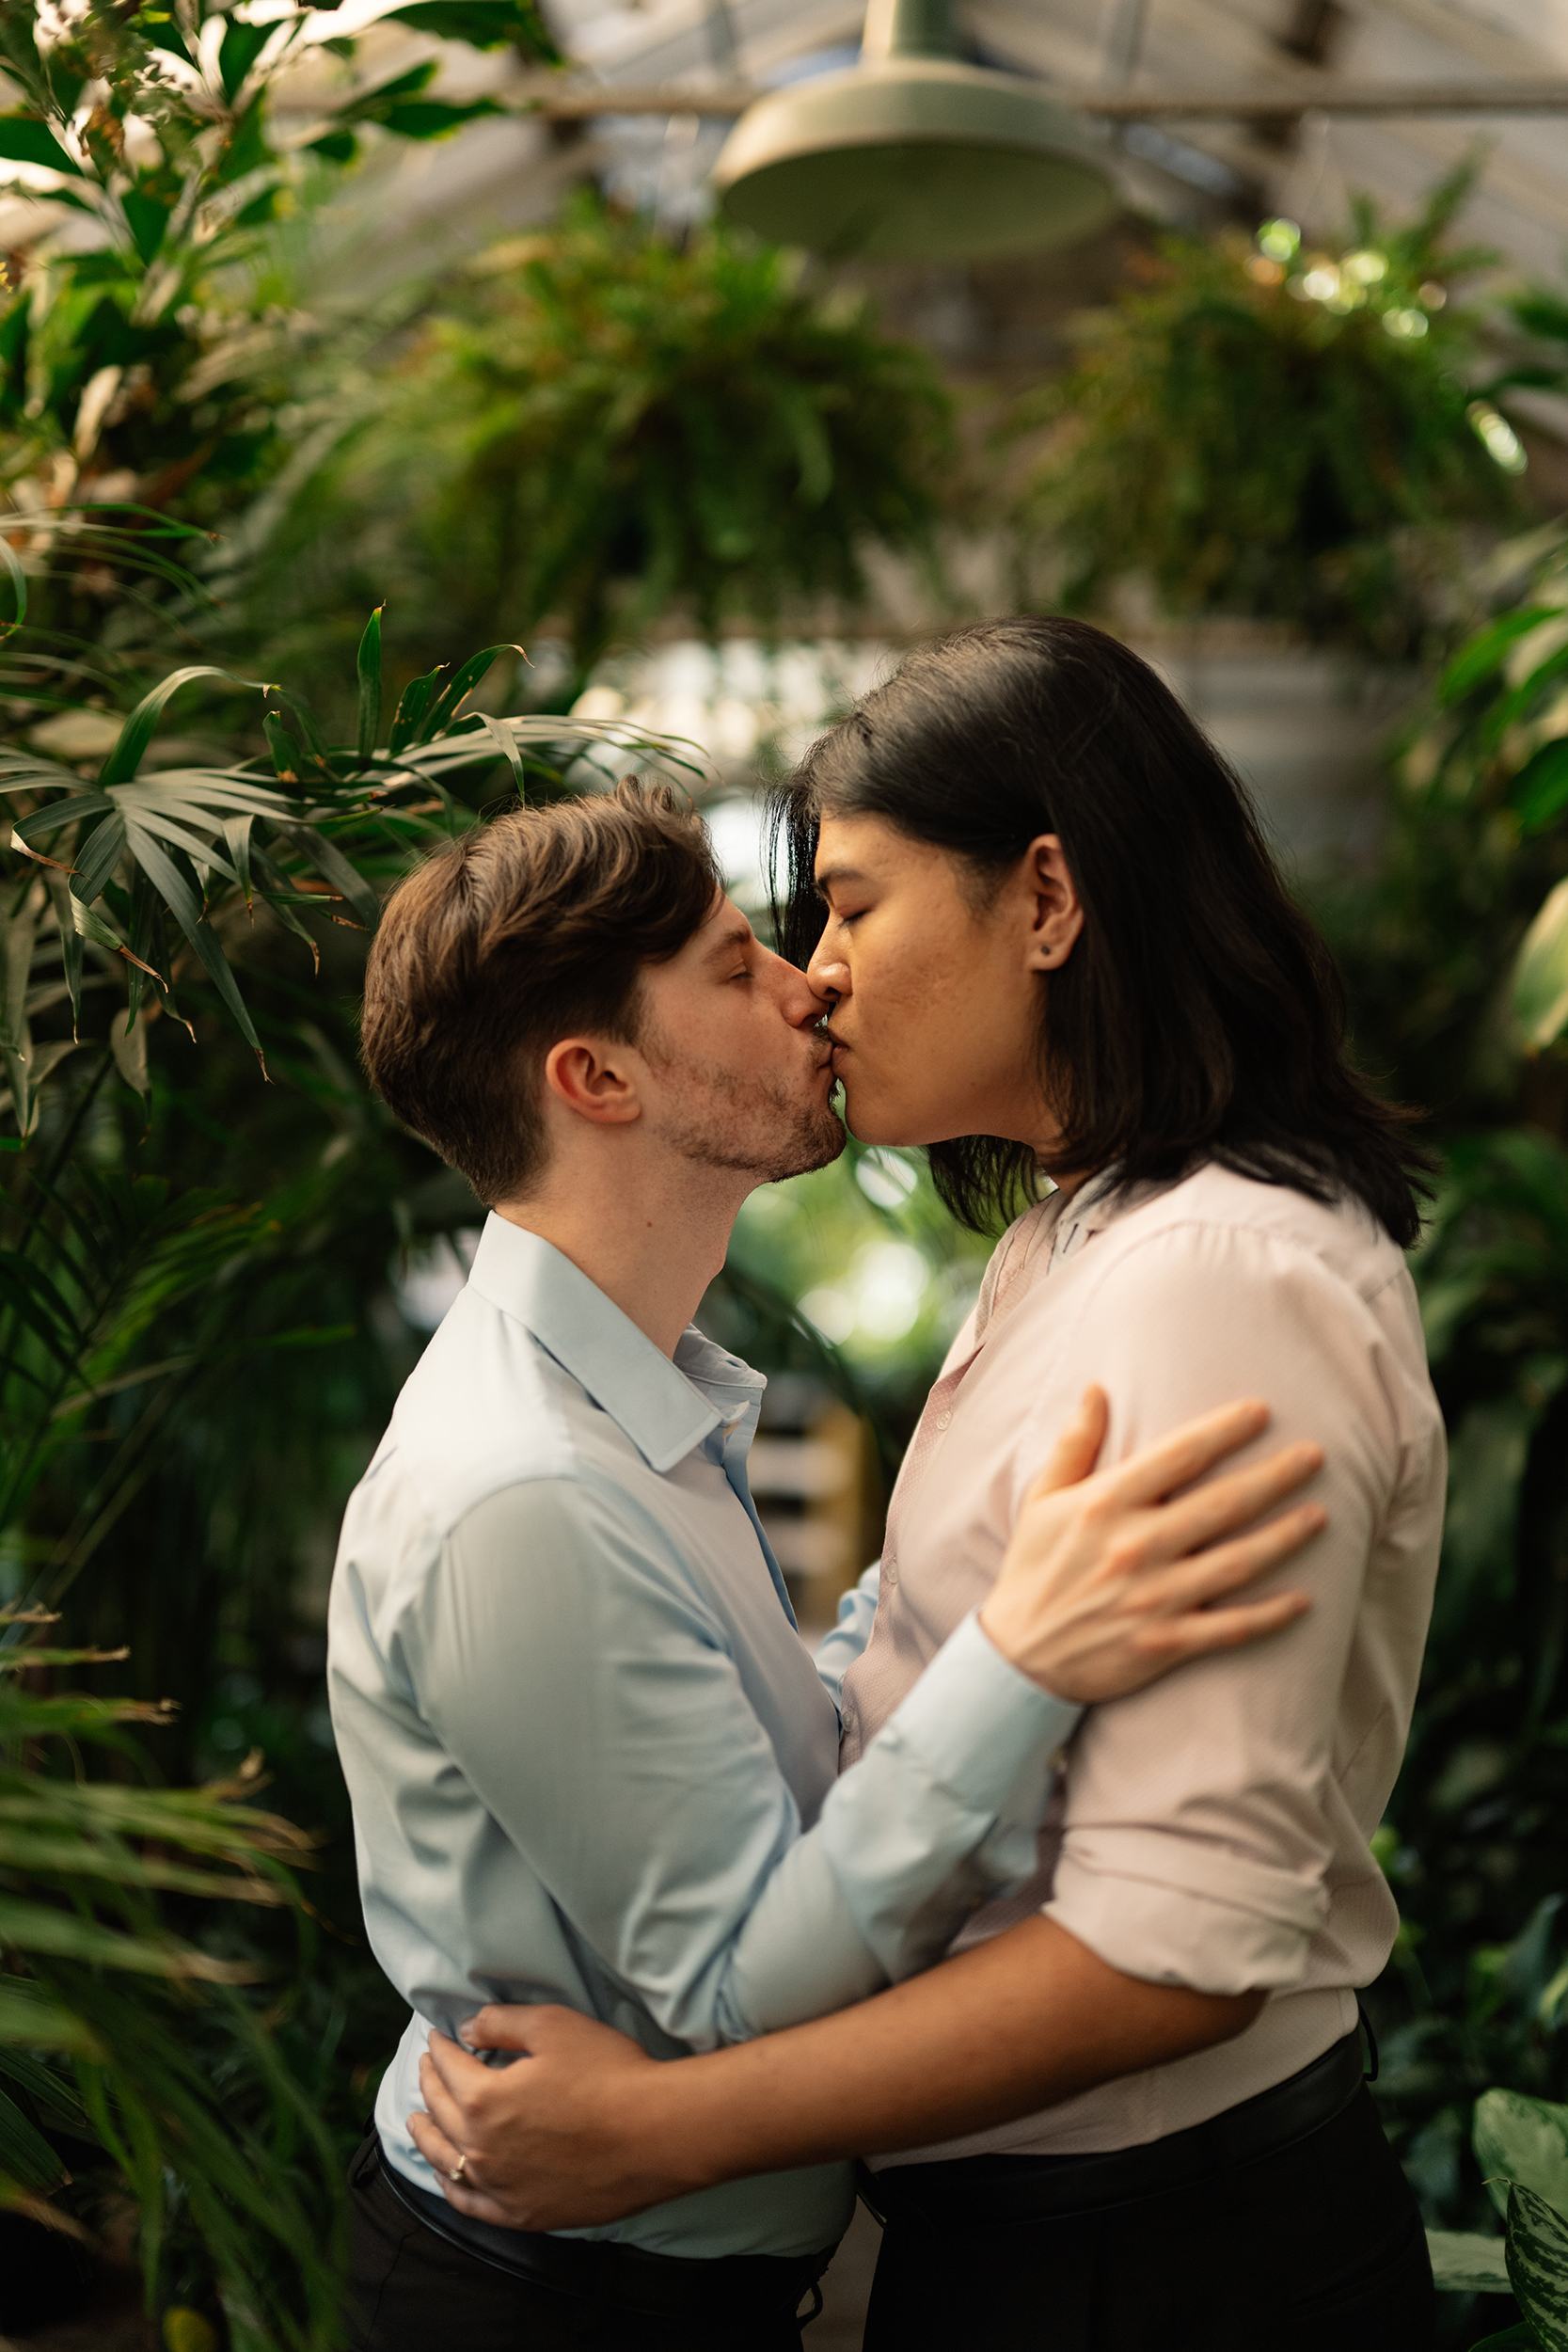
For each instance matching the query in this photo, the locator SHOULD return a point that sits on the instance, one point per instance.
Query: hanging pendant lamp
(912, 155)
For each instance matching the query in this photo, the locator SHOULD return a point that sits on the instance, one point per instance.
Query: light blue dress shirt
(590, 1757)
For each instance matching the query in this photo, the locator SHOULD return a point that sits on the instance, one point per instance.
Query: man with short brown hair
(590, 1760)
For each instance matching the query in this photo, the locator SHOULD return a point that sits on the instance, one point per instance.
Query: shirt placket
(930, 1429)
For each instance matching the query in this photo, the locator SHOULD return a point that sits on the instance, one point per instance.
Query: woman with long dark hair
(1054, 950)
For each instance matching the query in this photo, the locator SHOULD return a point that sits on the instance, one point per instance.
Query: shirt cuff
(1248, 1929)
(976, 1721)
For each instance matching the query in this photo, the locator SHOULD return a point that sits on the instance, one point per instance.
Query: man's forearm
(1018, 2023)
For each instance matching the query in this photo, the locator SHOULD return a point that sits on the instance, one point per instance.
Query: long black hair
(1201, 1015)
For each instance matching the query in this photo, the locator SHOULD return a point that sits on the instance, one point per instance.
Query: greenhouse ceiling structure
(1147, 61)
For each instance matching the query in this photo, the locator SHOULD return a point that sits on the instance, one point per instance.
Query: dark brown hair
(1201, 1015)
(522, 932)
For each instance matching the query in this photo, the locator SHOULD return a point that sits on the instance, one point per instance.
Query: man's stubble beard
(734, 1121)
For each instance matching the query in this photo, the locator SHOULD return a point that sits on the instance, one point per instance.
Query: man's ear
(596, 1084)
(1059, 914)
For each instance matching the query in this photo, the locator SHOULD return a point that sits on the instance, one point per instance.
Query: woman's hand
(1107, 1584)
(545, 2145)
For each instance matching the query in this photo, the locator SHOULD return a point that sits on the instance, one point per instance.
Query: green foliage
(188, 1383)
(145, 863)
(1477, 838)
(110, 2023)
(1269, 432)
(1538, 2266)
(145, 357)
(603, 425)
(1521, 2140)
(1540, 972)
(1477, 1992)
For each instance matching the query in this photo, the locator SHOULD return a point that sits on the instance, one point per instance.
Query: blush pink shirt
(1212, 1830)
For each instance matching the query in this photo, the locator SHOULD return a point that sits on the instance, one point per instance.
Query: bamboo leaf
(1540, 972)
(18, 582)
(331, 864)
(181, 902)
(370, 685)
(411, 709)
(304, 718)
(71, 943)
(55, 2099)
(140, 727)
(25, 2154)
(80, 1858)
(444, 709)
(1537, 2265)
(167, 828)
(1540, 790)
(28, 1927)
(30, 2018)
(506, 743)
(43, 822)
(97, 858)
(276, 885)
(287, 758)
(237, 835)
(1486, 651)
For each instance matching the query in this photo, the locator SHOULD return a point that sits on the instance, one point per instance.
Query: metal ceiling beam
(1524, 95)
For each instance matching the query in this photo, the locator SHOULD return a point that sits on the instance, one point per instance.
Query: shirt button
(890, 1574)
(944, 1421)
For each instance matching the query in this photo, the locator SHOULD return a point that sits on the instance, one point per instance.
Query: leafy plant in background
(138, 1330)
(1271, 431)
(1521, 2146)
(603, 426)
(1447, 991)
(144, 864)
(122, 2038)
(145, 351)
(1448, 1013)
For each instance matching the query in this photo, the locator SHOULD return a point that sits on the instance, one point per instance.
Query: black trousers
(1317, 2247)
(411, 2290)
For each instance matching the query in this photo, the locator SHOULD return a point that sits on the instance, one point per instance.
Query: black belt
(603, 2270)
(983, 2192)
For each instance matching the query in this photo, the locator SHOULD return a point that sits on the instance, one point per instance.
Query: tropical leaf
(1517, 2138)
(369, 664)
(1540, 790)
(26, 140)
(30, 2017)
(1541, 972)
(25, 2154)
(1484, 654)
(1466, 2262)
(483, 24)
(1537, 2265)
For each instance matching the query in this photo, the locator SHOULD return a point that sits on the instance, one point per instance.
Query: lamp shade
(913, 157)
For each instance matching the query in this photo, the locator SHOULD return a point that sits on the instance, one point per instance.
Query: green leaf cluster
(1273, 437)
(143, 356)
(1521, 2145)
(602, 425)
(107, 2016)
(136, 867)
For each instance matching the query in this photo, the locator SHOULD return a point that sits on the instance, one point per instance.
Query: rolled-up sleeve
(1202, 1813)
(574, 1676)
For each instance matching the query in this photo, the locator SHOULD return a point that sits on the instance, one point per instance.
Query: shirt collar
(663, 1407)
